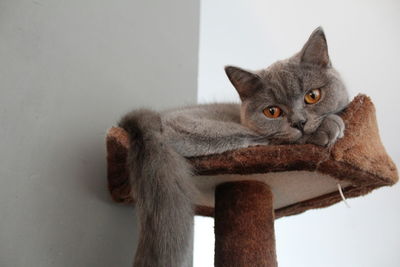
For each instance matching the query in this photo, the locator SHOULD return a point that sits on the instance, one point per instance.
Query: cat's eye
(312, 96)
(272, 112)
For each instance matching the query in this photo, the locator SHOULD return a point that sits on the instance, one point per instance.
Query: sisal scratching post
(244, 225)
(245, 189)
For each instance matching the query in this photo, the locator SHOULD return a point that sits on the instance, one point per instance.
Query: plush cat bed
(299, 177)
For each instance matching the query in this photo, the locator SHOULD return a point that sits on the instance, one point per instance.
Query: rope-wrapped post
(244, 225)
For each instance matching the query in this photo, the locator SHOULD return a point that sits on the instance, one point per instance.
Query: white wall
(364, 42)
(68, 70)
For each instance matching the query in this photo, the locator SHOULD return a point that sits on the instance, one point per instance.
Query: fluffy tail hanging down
(164, 194)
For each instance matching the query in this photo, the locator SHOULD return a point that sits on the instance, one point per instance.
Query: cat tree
(246, 189)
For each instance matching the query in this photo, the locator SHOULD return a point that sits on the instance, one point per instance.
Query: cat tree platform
(246, 189)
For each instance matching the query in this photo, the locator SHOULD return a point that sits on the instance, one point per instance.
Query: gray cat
(292, 101)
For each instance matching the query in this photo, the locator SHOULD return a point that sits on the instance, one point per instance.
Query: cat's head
(291, 97)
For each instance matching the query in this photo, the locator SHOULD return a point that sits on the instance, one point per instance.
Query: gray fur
(163, 192)
(161, 141)
(284, 84)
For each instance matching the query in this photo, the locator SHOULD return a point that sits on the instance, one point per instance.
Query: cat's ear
(245, 82)
(315, 51)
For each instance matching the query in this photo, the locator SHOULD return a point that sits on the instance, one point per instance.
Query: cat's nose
(299, 124)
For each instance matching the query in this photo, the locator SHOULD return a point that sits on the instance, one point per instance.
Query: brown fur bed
(359, 159)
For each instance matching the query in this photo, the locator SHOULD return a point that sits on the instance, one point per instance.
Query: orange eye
(272, 112)
(312, 96)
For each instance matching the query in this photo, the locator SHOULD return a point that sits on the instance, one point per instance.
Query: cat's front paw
(330, 130)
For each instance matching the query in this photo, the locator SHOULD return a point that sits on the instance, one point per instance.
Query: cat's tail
(160, 177)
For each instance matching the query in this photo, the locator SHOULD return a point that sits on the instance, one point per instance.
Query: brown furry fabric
(359, 157)
(244, 225)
